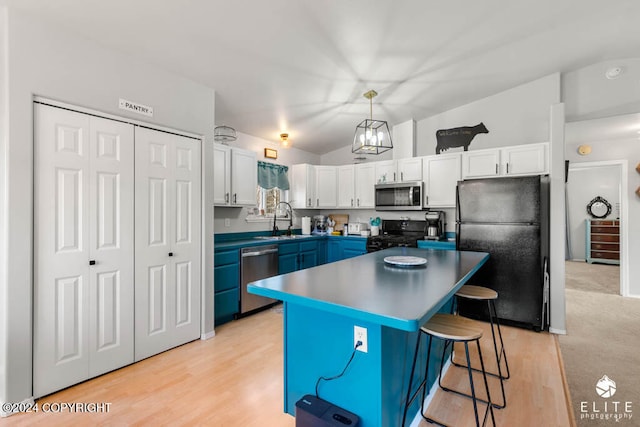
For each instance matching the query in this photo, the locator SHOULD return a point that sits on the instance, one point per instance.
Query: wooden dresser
(603, 241)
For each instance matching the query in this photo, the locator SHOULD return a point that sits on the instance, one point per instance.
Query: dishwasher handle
(260, 252)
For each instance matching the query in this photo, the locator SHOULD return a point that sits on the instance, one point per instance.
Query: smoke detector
(613, 73)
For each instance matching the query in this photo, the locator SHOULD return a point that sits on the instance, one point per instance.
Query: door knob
(92, 262)
(170, 253)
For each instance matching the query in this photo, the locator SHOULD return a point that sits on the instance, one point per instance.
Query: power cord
(358, 344)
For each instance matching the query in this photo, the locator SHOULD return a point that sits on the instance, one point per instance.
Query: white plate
(405, 260)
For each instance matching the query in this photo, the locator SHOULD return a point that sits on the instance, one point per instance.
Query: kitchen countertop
(253, 241)
(397, 297)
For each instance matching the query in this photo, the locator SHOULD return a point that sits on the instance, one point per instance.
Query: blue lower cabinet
(322, 251)
(308, 259)
(353, 248)
(433, 244)
(334, 250)
(226, 306)
(226, 278)
(287, 263)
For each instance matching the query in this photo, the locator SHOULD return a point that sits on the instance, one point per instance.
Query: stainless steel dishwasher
(256, 263)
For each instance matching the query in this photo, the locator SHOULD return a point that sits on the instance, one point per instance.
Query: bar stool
(480, 293)
(450, 328)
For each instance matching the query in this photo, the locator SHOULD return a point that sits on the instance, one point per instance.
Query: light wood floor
(235, 379)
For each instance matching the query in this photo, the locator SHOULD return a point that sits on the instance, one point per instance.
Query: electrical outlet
(360, 334)
(227, 222)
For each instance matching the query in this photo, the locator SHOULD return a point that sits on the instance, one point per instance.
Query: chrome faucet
(274, 232)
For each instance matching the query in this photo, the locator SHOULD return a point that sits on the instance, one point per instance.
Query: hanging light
(372, 136)
(224, 134)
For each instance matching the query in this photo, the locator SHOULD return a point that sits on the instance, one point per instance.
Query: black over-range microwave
(399, 196)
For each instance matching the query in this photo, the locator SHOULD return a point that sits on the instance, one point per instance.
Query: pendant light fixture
(372, 136)
(224, 134)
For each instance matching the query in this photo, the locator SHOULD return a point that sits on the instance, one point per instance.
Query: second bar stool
(450, 328)
(480, 293)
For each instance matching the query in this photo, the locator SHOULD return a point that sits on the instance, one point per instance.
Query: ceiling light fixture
(284, 138)
(613, 73)
(372, 136)
(224, 134)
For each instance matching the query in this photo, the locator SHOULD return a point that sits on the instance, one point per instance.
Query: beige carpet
(602, 339)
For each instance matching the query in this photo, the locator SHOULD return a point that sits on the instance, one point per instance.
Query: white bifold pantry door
(83, 252)
(115, 280)
(167, 241)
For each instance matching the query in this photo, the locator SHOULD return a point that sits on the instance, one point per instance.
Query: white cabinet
(481, 163)
(235, 176)
(326, 187)
(409, 169)
(385, 171)
(441, 175)
(302, 193)
(346, 186)
(402, 170)
(365, 185)
(528, 159)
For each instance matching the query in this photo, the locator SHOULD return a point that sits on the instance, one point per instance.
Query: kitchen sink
(283, 237)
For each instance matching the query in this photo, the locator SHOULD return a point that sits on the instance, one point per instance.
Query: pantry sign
(135, 107)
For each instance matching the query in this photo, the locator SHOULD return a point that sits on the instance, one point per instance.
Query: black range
(397, 233)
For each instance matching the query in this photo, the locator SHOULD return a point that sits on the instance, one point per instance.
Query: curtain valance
(271, 175)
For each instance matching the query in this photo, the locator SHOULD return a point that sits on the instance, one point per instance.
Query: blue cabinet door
(334, 251)
(226, 277)
(322, 251)
(226, 306)
(352, 248)
(287, 263)
(308, 259)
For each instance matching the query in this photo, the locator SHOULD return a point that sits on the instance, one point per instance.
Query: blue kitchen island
(323, 304)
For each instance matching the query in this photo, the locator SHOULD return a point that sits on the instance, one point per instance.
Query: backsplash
(233, 220)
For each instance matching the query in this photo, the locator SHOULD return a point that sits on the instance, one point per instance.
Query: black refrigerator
(509, 219)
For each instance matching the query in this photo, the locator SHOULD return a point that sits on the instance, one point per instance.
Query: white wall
(45, 61)
(286, 156)
(582, 187)
(516, 116)
(344, 156)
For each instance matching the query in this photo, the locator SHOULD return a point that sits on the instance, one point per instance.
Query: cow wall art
(458, 137)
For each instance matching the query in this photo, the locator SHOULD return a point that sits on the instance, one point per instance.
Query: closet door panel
(111, 226)
(167, 237)
(61, 254)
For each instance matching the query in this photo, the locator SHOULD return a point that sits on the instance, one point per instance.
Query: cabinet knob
(226, 197)
(401, 176)
(170, 253)
(507, 168)
(352, 202)
(426, 200)
(496, 169)
(92, 262)
(358, 202)
(309, 204)
(317, 202)
(394, 176)
(235, 198)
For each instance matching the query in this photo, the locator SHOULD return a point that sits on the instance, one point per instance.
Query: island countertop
(368, 288)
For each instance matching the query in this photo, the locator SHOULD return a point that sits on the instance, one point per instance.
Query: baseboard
(432, 392)
(558, 331)
(26, 403)
(207, 335)
(565, 384)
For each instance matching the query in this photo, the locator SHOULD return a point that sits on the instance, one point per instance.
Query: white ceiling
(301, 66)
